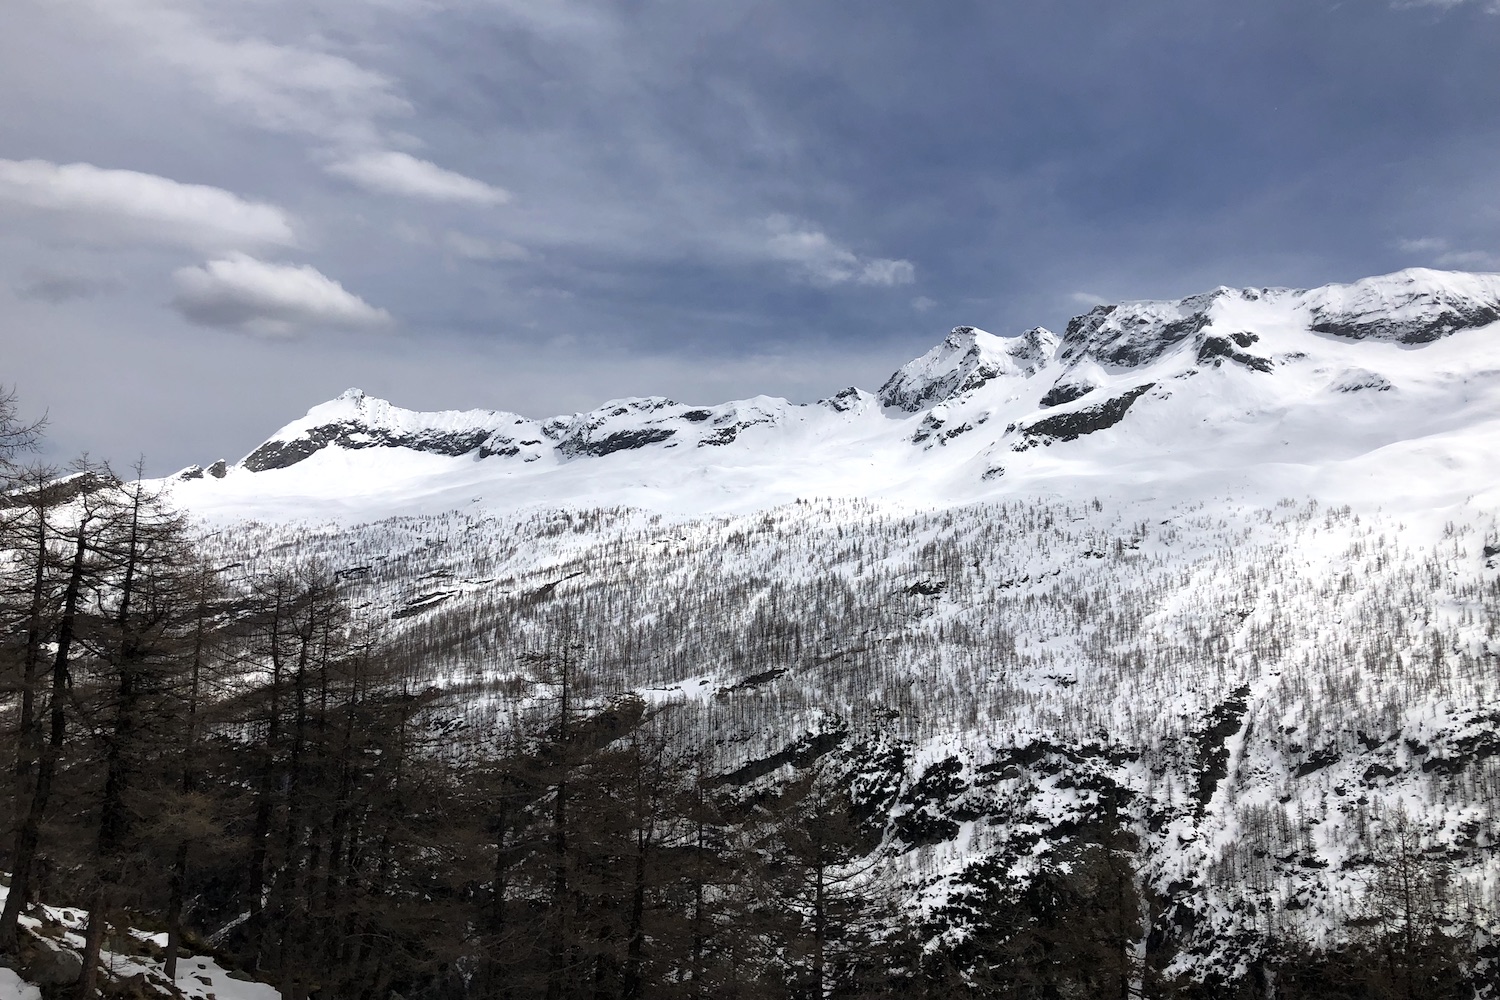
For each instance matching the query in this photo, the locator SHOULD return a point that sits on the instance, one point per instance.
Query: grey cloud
(1489, 6)
(242, 293)
(57, 289)
(295, 88)
(1087, 299)
(1425, 244)
(475, 248)
(1440, 252)
(823, 261)
(1469, 260)
(1012, 154)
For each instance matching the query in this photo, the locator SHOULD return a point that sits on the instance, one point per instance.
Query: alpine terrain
(1156, 656)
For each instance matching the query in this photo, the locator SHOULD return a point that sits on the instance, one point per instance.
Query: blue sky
(213, 216)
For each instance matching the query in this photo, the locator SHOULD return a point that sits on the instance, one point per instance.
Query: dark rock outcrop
(1076, 423)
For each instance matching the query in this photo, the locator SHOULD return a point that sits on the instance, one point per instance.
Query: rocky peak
(354, 420)
(1136, 333)
(1414, 306)
(966, 360)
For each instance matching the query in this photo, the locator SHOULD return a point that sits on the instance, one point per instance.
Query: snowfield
(1252, 393)
(1229, 564)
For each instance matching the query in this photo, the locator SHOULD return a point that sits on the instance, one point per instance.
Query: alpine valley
(1225, 565)
(1209, 585)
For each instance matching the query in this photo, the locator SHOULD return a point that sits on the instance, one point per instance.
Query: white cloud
(824, 262)
(99, 205)
(922, 303)
(391, 172)
(285, 88)
(297, 89)
(1087, 299)
(242, 293)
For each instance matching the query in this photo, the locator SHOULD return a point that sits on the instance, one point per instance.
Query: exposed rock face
(354, 421)
(1415, 306)
(1360, 380)
(53, 965)
(1065, 391)
(1136, 333)
(846, 400)
(967, 360)
(1076, 423)
(615, 427)
(351, 435)
(617, 441)
(1414, 331)
(973, 383)
(1216, 350)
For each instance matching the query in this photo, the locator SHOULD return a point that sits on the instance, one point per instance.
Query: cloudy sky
(215, 215)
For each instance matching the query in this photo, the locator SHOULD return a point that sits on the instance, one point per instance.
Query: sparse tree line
(245, 762)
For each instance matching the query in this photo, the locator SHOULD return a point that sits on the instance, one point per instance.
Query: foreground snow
(199, 977)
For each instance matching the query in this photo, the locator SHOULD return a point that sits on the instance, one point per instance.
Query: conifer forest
(1018, 749)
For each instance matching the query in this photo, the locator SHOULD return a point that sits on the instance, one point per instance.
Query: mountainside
(1224, 570)
(1252, 392)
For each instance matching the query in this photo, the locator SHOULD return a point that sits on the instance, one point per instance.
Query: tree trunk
(28, 729)
(820, 929)
(93, 944)
(174, 909)
(178, 885)
(636, 941)
(28, 836)
(558, 945)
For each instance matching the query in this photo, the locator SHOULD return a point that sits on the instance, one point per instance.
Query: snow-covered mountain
(1226, 568)
(1386, 390)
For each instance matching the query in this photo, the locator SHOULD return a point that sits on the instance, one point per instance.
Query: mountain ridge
(1218, 580)
(1152, 388)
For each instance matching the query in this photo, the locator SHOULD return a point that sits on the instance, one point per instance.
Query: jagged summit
(1377, 388)
(1131, 334)
(354, 420)
(1222, 568)
(1414, 306)
(966, 360)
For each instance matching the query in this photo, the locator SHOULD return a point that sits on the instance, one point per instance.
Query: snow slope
(138, 959)
(1381, 392)
(1231, 561)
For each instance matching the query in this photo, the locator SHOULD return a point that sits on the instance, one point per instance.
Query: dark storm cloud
(564, 201)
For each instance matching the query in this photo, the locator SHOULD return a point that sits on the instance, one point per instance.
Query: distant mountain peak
(1226, 387)
(354, 420)
(1414, 306)
(966, 359)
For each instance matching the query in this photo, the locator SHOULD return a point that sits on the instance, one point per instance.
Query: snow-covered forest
(1198, 700)
(975, 751)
